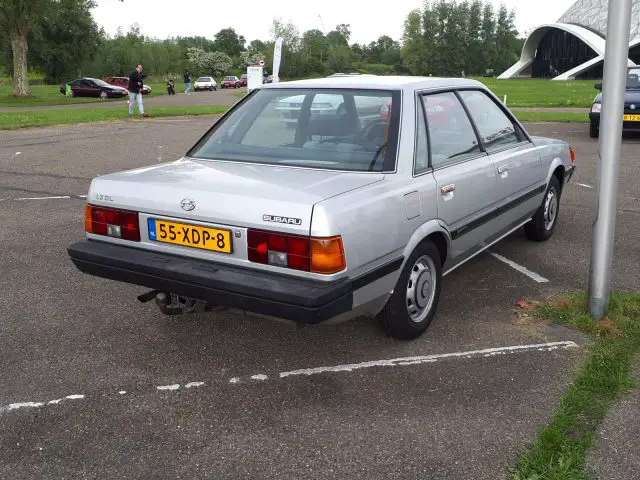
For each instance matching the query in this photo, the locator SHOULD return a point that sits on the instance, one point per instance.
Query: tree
(214, 63)
(229, 42)
(15, 18)
(64, 38)
(414, 55)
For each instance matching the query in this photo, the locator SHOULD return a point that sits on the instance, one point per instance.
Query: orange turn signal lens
(572, 154)
(327, 255)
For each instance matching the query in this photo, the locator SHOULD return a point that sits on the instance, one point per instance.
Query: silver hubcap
(550, 209)
(421, 289)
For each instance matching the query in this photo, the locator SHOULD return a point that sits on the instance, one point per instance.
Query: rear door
(465, 176)
(518, 165)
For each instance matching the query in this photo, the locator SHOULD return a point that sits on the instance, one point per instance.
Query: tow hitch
(172, 304)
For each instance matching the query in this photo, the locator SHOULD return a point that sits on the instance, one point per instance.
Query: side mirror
(598, 86)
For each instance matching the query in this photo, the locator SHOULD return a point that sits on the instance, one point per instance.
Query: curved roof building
(573, 47)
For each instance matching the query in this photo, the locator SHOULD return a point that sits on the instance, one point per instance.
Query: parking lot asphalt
(97, 385)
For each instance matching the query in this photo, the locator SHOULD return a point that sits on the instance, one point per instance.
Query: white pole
(613, 87)
(277, 54)
(504, 100)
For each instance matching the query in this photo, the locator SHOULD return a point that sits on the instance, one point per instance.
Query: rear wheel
(413, 303)
(543, 223)
(594, 130)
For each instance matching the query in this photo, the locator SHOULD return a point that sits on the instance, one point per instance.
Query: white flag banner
(277, 54)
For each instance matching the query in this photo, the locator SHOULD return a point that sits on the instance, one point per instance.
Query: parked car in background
(267, 79)
(631, 115)
(243, 80)
(93, 87)
(230, 81)
(124, 83)
(205, 83)
(342, 215)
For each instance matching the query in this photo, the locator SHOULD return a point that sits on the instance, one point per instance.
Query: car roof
(395, 82)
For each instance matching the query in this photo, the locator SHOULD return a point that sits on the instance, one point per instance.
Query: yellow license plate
(195, 236)
(631, 118)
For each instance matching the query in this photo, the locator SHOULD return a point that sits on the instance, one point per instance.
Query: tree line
(60, 40)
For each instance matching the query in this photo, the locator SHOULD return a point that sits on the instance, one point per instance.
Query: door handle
(447, 189)
(503, 168)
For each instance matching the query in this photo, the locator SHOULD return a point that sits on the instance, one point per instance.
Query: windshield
(101, 83)
(337, 129)
(633, 78)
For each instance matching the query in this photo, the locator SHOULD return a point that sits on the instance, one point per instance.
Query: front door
(465, 175)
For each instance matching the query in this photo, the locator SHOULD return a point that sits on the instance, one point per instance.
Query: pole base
(597, 307)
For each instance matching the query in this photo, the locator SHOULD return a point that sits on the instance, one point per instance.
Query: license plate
(195, 236)
(631, 118)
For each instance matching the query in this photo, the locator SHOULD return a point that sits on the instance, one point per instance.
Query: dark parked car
(631, 118)
(93, 87)
(230, 81)
(124, 83)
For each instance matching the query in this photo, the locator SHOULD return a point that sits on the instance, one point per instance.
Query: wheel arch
(434, 231)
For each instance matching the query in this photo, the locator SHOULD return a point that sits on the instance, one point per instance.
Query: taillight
(310, 254)
(112, 222)
(572, 154)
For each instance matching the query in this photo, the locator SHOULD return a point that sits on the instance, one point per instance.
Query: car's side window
(496, 130)
(421, 161)
(451, 135)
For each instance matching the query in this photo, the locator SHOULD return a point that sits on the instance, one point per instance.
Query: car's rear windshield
(204, 79)
(337, 129)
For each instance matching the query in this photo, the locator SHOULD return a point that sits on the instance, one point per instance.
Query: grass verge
(22, 119)
(42, 95)
(560, 449)
(568, 117)
(14, 120)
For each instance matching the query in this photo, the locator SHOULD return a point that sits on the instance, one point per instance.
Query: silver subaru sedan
(322, 200)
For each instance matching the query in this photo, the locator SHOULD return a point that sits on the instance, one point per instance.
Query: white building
(573, 47)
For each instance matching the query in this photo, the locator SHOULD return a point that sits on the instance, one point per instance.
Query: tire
(594, 130)
(395, 318)
(541, 227)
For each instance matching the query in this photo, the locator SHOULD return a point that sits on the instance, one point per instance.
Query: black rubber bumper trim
(299, 300)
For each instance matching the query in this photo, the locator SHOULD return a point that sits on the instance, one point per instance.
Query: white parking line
(525, 271)
(394, 362)
(584, 185)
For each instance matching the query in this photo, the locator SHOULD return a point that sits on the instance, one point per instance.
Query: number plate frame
(210, 244)
(630, 118)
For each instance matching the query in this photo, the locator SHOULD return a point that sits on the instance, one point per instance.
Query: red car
(230, 81)
(243, 80)
(124, 83)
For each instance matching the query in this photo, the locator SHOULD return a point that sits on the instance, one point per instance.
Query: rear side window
(496, 130)
(451, 134)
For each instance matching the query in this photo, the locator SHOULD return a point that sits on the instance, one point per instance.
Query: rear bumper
(299, 300)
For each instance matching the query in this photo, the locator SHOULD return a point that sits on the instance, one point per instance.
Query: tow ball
(173, 304)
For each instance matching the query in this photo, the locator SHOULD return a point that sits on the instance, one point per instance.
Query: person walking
(187, 82)
(136, 82)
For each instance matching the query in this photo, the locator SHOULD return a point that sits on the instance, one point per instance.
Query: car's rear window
(204, 79)
(337, 129)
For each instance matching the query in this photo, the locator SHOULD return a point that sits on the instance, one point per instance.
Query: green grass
(570, 117)
(560, 449)
(520, 93)
(14, 120)
(42, 95)
(543, 93)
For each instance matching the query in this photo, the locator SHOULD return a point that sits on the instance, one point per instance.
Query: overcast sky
(252, 18)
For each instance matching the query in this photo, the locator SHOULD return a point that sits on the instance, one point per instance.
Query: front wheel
(543, 223)
(104, 94)
(413, 303)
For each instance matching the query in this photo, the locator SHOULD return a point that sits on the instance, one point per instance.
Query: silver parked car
(341, 216)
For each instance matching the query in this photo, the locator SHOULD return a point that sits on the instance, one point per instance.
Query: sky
(252, 18)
